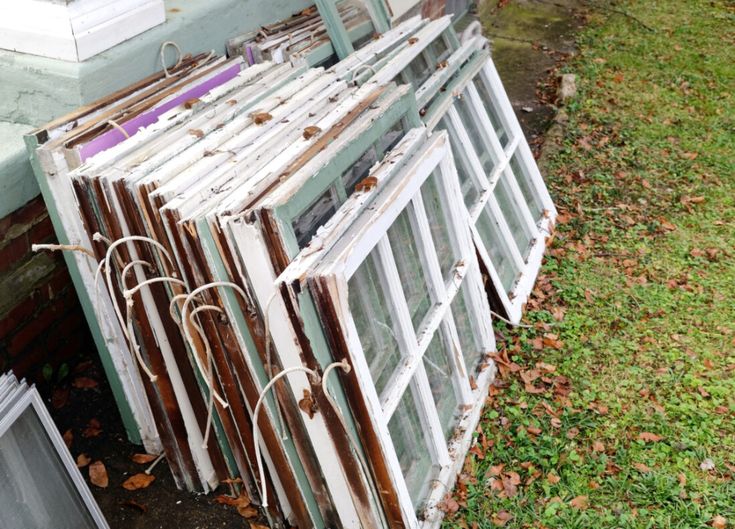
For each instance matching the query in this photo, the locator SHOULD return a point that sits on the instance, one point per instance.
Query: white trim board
(78, 30)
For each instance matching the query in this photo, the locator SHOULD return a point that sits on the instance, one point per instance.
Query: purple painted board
(113, 137)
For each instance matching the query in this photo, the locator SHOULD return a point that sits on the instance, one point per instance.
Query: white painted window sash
(412, 373)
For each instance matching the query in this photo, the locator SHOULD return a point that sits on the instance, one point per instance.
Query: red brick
(42, 321)
(18, 314)
(14, 252)
(41, 232)
(30, 213)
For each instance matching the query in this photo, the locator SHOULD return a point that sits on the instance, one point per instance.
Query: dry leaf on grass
(641, 467)
(718, 522)
(501, 518)
(93, 429)
(138, 481)
(553, 479)
(580, 502)
(649, 437)
(83, 460)
(142, 459)
(98, 474)
(598, 446)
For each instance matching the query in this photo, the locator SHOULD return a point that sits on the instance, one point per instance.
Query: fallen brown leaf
(598, 446)
(501, 518)
(98, 474)
(553, 479)
(132, 504)
(83, 460)
(580, 502)
(138, 481)
(311, 131)
(649, 437)
(93, 429)
(59, 397)
(68, 438)
(241, 503)
(641, 467)
(142, 459)
(84, 383)
(308, 404)
(261, 117)
(718, 522)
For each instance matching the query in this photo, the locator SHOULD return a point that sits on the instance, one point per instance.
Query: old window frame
(329, 270)
(18, 399)
(471, 65)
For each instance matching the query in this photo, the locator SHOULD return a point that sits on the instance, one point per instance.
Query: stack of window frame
(303, 36)
(267, 203)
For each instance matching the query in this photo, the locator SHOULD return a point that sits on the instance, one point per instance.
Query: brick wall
(41, 320)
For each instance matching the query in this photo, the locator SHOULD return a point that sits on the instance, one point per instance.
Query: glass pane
(497, 248)
(523, 178)
(493, 112)
(419, 71)
(511, 211)
(435, 212)
(359, 170)
(389, 140)
(35, 489)
(471, 349)
(467, 115)
(410, 269)
(372, 313)
(412, 448)
(440, 50)
(469, 188)
(316, 215)
(442, 386)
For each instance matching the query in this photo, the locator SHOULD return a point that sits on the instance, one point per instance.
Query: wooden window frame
(327, 272)
(469, 65)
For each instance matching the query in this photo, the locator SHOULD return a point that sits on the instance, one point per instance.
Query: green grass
(639, 288)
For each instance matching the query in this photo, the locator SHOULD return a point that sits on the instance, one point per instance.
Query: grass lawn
(617, 408)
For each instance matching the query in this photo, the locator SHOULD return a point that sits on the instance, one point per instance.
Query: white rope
(185, 316)
(119, 128)
(63, 248)
(256, 429)
(267, 334)
(210, 367)
(520, 325)
(128, 321)
(163, 58)
(360, 69)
